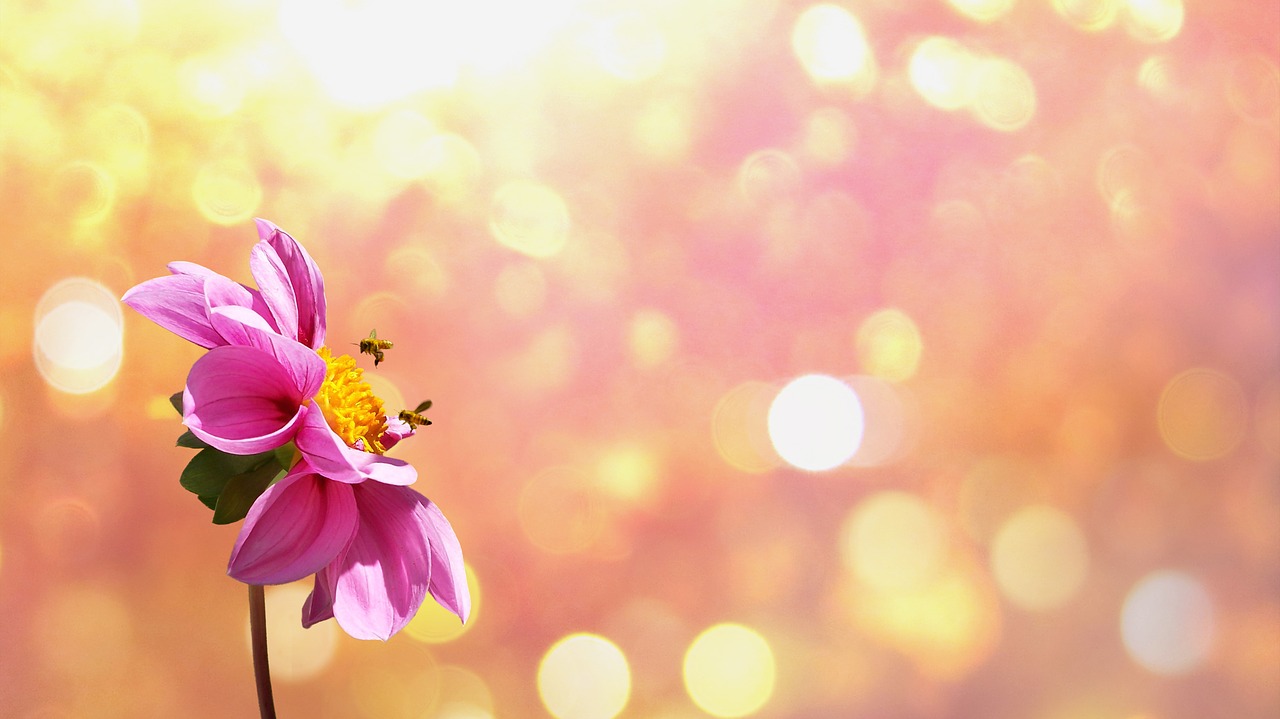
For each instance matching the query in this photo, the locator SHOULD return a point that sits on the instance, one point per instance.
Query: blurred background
(855, 359)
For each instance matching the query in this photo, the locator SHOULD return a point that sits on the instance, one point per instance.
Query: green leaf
(175, 399)
(208, 473)
(242, 490)
(284, 454)
(210, 502)
(190, 441)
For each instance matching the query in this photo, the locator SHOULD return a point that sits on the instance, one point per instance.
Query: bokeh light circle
(1039, 558)
(584, 676)
(893, 540)
(1167, 623)
(729, 670)
(227, 192)
(530, 218)
(1004, 98)
(1202, 414)
(1153, 20)
(816, 422)
(78, 336)
(940, 70)
(830, 43)
(889, 345)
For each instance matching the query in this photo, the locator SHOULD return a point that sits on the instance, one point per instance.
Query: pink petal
(383, 577)
(319, 604)
(329, 455)
(176, 303)
(241, 400)
(181, 267)
(396, 430)
(242, 326)
(299, 525)
(306, 280)
(448, 573)
(277, 291)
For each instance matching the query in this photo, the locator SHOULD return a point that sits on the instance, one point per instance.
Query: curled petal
(242, 326)
(176, 303)
(181, 267)
(295, 528)
(329, 455)
(396, 430)
(277, 291)
(319, 604)
(241, 400)
(448, 573)
(384, 575)
(305, 279)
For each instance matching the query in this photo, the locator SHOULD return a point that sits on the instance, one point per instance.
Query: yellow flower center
(350, 407)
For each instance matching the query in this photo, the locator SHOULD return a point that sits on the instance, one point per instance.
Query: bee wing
(373, 333)
(426, 405)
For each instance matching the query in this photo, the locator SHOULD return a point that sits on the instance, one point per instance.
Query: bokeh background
(852, 359)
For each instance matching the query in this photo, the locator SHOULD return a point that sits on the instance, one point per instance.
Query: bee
(414, 418)
(371, 345)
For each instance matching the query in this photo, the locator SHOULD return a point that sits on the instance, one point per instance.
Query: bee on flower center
(414, 417)
(373, 346)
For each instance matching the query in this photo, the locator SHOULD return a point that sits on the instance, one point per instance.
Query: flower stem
(258, 630)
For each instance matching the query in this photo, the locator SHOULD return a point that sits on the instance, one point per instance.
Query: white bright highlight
(816, 422)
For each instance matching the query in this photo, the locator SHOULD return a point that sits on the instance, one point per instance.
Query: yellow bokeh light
(948, 626)
(85, 191)
(1004, 98)
(227, 192)
(297, 654)
(983, 10)
(213, 87)
(584, 676)
(889, 345)
(630, 46)
(740, 430)
(79, 332)
(652, 338)
(663, 129)
(530, 218)
(401, 144)
(729, 671)
(1202, 414)
(940, 69)
(1153, 20)
(831, 44)
(893, 540)
(1167, 623)
(628, 473)
(1088, 15)
(816, 422)
(452, 167)
(433, 624)
(1039, 558)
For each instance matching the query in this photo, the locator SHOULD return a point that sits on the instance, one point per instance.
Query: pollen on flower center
(349, 405)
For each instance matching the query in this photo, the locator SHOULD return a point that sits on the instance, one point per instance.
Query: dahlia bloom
(342, 510)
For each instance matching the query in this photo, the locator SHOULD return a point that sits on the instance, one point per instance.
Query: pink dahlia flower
(342, 511)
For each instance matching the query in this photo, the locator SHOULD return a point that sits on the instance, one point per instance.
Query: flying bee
(414, 418)
(371, 345)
